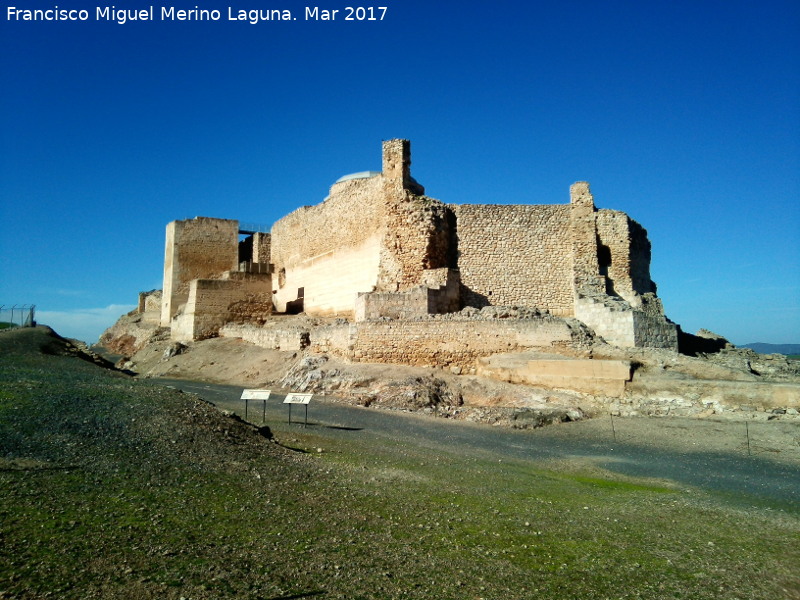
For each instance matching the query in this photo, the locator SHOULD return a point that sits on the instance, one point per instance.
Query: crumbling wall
(149, 306)
(628, 274)
(515, 255)
(583, 230)
(419, 229)
(262, 243)
(654, 331)
(326, 254)
(241, 298)
(289, 339)
(612, 320)
(392, 305)
(200, 248)
(254, 253)
(438, 294)
(418, 234)
(454, 342)
(616, 322)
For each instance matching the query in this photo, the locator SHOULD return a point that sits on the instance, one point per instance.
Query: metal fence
(251, 228)
(19, 315)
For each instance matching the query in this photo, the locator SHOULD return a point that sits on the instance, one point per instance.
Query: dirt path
(705, 455)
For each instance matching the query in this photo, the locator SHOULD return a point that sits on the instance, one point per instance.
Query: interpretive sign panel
(255, 394)
(262, 395)
(295, 398)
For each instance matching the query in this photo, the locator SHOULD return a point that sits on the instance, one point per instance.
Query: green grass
(113, 488)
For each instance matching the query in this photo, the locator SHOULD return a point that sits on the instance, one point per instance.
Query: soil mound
(43, 340)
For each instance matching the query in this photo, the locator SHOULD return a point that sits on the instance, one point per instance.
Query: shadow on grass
(296, 596)
(324, 426)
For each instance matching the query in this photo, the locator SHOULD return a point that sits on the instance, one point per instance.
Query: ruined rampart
(446, 341)
(325, 254)
(625, 255)
(515, 256)
(240, 298)
(199, 248)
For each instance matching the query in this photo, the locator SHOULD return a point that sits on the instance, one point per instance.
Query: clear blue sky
(685, 115)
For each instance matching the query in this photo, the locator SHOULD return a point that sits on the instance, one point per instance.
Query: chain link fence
(18, 315)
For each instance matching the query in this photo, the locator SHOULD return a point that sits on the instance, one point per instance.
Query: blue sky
(685, 115)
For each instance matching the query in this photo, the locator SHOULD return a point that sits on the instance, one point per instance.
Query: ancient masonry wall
(654, 332)
(615, 322)
(328, 253)
(199, 248)
(628, 275)
(150, 306)
(417, 239)
(583, 231)
(289, 339)
(261, 248)
(393, 305)
(515, 256)
(213, 302)
(453, 343)
(438, 294)
(419, 229)
(436, 341)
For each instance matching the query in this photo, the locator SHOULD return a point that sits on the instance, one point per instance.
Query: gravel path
(701, 454)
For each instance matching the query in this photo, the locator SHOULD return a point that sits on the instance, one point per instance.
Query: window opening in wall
(604, 259)
(301, 292)
(604, 264)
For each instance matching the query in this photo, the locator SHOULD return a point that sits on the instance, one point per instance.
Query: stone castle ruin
(414, 276)
(552, 296)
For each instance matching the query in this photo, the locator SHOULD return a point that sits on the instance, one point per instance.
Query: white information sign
(295, 398)
(255, 394)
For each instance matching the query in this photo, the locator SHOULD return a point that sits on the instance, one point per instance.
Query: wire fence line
(18, 315)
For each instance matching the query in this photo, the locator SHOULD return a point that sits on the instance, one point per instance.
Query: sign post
(296, 398)
(248, 395)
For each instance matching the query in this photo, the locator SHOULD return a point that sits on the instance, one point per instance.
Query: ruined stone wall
(640, 259)
(438, 294)
(450, 342)
(515, 255)
(454, 341)
(583, 229)
(150, 306)
(651, 331)
(196, 249)
(289, 339)
(418, 238)
(243, 298)
(261, 248)
(629, 272)
(615, 321)
(419, 229)
(331, 250)
(393, 305)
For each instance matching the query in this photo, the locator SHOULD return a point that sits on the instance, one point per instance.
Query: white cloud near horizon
(85, 324)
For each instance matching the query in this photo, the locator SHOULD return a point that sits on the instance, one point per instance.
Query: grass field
(115, 488)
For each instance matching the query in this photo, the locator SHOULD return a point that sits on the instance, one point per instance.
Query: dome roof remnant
(359, 175)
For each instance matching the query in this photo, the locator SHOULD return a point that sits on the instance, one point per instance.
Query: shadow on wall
(692, 345)
(295, 307)
(472, 298)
